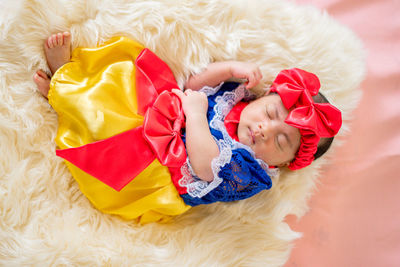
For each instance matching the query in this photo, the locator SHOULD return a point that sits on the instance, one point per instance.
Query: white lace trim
(194, 185)
(211, 90)
(224, 104)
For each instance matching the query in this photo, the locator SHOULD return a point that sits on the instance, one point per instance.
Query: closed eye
(278, 144)
(272, 112)
(267, 112)
(283, 143)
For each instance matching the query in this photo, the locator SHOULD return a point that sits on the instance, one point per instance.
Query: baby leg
(42, 81)
(57, 49)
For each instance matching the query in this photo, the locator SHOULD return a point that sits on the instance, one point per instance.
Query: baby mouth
(253, 140)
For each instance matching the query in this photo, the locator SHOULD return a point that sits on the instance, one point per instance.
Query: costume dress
(97, 98)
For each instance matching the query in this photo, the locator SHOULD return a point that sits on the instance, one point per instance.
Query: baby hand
(193, 102)
(245, 70)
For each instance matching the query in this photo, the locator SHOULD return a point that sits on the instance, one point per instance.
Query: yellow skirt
(94, 96)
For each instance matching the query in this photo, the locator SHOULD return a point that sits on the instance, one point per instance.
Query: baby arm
(217, 72)
(200, 144)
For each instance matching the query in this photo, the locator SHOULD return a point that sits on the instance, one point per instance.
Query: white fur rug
(44, 218)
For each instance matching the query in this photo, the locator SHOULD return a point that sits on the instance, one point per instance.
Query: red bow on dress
(162, 129)
(314, 120)
(119, 159)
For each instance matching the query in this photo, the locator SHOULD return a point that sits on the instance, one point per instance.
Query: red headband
(314, 120)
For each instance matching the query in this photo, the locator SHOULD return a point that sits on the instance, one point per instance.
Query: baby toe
(67, 38)
(42, 74)
(59, 39)
(49, 43)
(54, 40)
(38, 80)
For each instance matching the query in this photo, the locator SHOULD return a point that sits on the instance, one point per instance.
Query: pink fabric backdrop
(354, 218)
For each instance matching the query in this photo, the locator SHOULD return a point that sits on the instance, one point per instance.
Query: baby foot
(58, 50)
(42, 82)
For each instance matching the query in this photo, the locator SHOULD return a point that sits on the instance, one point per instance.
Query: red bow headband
(314, 120)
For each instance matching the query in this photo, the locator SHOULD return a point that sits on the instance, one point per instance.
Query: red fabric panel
(116, 160)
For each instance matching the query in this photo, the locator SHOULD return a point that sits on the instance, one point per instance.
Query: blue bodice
(237, 173)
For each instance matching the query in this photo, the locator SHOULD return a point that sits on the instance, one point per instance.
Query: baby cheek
(267, 154)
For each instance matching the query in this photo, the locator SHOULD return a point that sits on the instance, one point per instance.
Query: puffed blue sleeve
(237, 173)
(241, 177)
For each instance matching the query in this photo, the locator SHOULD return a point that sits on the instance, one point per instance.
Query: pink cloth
(354, 218)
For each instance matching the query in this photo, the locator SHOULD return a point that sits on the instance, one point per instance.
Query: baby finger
(251, 81)
(178, 92)
(259, 75)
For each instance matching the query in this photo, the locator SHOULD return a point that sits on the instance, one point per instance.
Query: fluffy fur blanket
(44, 218)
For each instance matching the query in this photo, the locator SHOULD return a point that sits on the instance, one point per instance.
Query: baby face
(262, 128)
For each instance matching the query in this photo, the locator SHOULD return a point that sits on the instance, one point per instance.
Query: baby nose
(265, 129)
